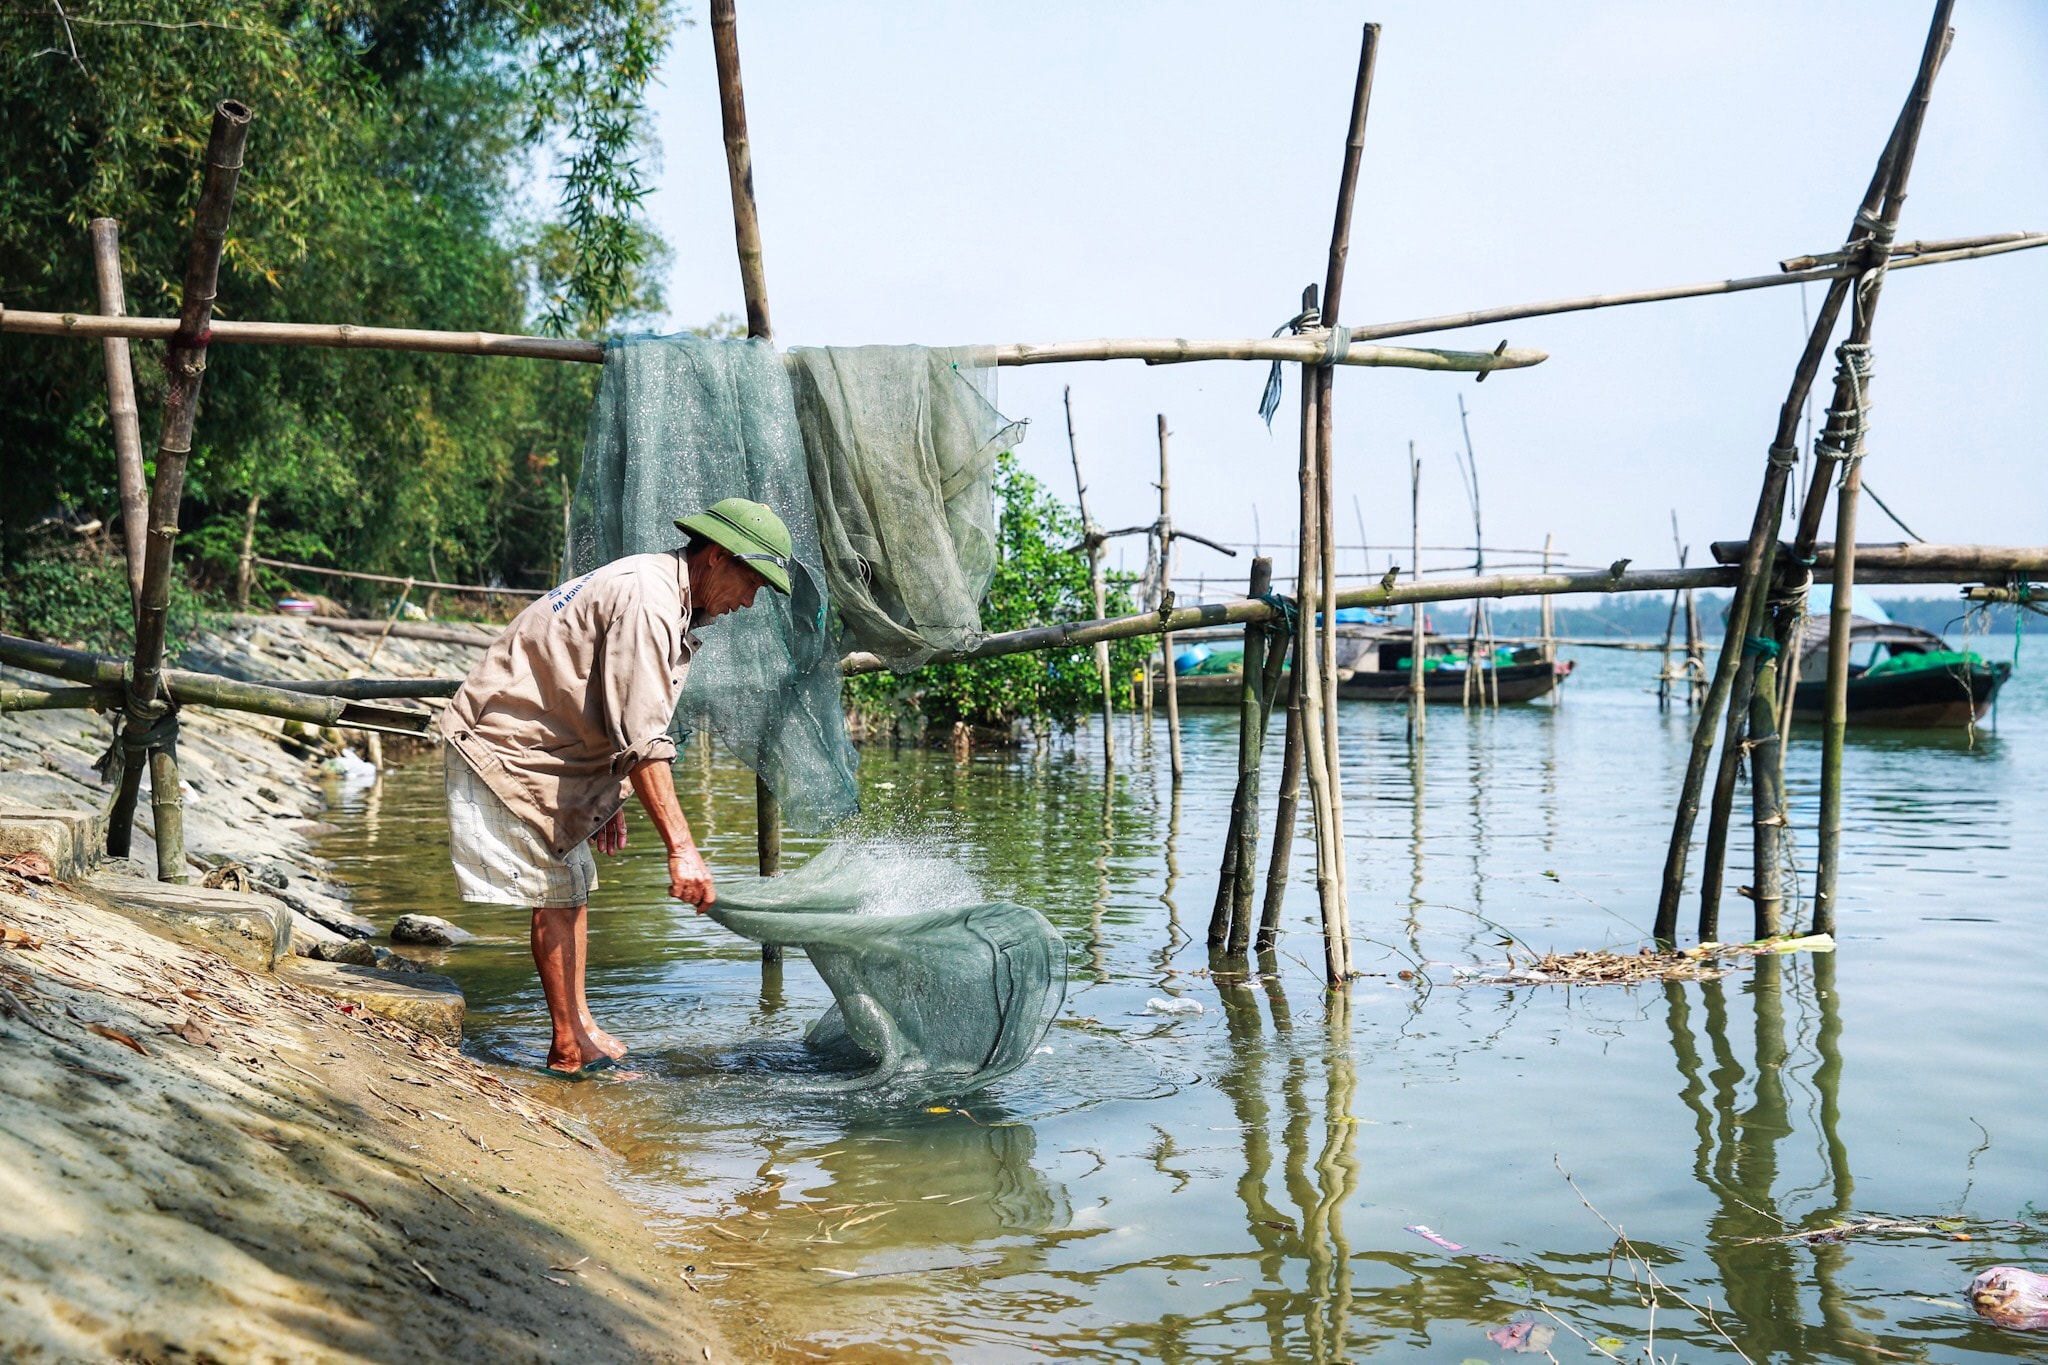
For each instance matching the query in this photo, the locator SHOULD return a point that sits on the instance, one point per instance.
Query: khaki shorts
(499, 859)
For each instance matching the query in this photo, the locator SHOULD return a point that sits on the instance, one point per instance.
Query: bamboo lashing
(1770, 501)
(149, 730)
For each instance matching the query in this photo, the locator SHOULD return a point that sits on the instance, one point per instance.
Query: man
(566, 709)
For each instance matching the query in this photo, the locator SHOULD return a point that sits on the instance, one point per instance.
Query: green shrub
(1039, 580)
(77, 595)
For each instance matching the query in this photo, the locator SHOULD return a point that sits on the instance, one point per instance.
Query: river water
(1245, 1182)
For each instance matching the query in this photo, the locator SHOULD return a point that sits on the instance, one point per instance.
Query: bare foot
(572, 1054)
(604, 1042)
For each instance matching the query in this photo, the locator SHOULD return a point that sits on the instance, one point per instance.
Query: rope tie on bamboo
(1842, 439)
(1289, 616)
(1762, 646)
(1269, 401)
(1784, 457)
(133, 742)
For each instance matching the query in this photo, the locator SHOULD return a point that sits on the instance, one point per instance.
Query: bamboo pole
(1968, 249)
(1418, 675)
(245, 567)
(1549, 615)
(1835, 713)
(1324, 377)
(121, 411)
(1092, 538)
(332, 703)
(746, 229)
(1733, 747)
(1308, 665)
(1153, 350)
(1163, 531)
(185, 367)
(362, 577)
(1988, 561)
(1081, 634)
(1286, 806)
(1224, 917)
(1248, 832)
(1757, 555)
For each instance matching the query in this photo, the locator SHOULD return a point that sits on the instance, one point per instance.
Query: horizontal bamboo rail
(108, 678)
(1996, 244)
(1904, 556)
(387, 578)
(1075, 634)
(1308, 348)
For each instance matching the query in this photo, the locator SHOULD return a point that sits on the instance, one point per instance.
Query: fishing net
(681, 422)
(902, 443)
(935, 990)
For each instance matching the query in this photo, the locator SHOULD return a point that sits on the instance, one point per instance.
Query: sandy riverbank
(203, 1161)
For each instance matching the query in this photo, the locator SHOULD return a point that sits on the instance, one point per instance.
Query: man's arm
(689, 880)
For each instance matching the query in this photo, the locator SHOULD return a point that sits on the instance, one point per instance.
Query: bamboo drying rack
(1754, 705)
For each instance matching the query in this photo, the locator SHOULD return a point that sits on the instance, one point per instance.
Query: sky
(952, 173)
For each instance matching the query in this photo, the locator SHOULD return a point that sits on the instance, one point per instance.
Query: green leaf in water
(1609, 1343)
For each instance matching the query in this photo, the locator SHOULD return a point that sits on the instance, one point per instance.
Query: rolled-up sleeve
(642, 673)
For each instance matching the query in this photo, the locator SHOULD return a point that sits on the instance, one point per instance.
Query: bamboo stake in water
(1166, 557)
(121, 412)
(746, 227)
(1307, 667)
(1224, 917)
(1286, 806)
(1760, 548)
(1418, 675)
(1092, 537)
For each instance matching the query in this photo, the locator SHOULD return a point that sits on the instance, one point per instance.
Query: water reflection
(1192, 1187)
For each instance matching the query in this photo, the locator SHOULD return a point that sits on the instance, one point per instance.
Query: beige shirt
(579, 691)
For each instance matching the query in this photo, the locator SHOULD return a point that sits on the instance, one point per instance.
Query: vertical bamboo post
(1248, 833)
(1092, 537)
(1288, 802)
(1337, 911)
(245, 568)
(1225, 918)
(1418, 676)
(1308, 670)
(1166, 556)
(1549, 613)
(1835, 714)
(121, 411)
(1695, 654)
(144, 730)
(746, 231)
(1873, 235)
(1767, 779)
(1732, 749)
(739, 167)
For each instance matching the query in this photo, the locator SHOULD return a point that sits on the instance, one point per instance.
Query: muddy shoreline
(205, 1160)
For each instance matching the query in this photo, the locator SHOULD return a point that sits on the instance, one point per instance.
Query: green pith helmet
(751, 532)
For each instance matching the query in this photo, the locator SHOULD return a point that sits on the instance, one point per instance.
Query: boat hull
(1929, 698)
(1442, 686)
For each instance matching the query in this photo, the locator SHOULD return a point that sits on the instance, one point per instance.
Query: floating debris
(1600, 967)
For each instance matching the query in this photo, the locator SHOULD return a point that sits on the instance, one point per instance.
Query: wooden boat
(1898, 676)
(1374, 667)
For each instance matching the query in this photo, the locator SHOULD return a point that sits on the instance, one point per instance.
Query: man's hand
(611, 836)
(689, 880)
